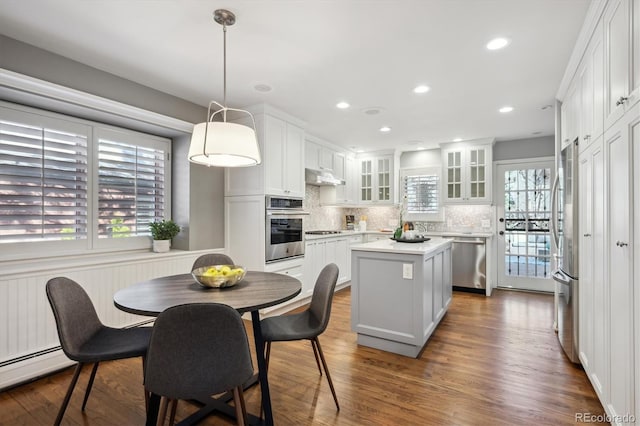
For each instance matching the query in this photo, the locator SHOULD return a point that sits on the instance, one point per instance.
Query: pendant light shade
(221, 143)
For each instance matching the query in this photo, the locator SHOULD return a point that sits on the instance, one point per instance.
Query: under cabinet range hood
(321, 178)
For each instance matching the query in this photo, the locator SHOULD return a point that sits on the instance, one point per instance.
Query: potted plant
(162, 233)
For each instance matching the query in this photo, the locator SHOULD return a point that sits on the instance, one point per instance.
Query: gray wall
(524, 148)
(198, 192)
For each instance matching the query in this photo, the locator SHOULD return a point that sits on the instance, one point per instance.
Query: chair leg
(152, 412)
(172, 415)
(241, 410)
(267, 354)
(67, 397)
(94, 370)
(326, 370)
(146, 392)
(164, 401)
(315, 354)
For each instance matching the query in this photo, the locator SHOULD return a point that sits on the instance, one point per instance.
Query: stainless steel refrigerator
(565, 233)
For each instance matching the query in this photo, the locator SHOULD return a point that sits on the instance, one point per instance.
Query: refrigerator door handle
(554, 210)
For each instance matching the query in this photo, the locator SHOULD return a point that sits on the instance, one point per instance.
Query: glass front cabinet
(376, 177)
(467, 174)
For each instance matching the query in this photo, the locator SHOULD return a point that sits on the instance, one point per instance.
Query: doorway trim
(499, 209)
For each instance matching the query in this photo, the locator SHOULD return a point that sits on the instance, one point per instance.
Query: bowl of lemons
(219, 276)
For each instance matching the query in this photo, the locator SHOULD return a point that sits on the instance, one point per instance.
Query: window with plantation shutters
(421, 194)
(69, 185)
(43, 178)
(131, 184)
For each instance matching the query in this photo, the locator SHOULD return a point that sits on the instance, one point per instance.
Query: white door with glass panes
(524, 214)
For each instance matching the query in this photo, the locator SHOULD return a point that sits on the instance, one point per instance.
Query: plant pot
(161, 246)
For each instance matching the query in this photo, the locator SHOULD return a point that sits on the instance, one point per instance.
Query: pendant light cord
(224, 55)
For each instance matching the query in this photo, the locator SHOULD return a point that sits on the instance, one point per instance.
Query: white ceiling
(370, 53)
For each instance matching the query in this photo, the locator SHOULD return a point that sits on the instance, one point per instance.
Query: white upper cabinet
(281, 139)
(467, 173)
(570, 114)
(318, 157)
(591, 82)
(376, 179)
(621, 23)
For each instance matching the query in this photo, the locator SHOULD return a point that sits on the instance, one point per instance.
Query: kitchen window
(422, 194)
(71, 185)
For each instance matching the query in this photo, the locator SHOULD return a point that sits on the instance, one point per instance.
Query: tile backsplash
(457, 217)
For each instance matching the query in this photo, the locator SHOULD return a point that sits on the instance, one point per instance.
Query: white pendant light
(220, 143)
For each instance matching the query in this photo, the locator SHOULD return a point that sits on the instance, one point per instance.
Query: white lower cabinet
(608, 302)
(293, 268)
(593, 291)
(619, 140)
(321, 252)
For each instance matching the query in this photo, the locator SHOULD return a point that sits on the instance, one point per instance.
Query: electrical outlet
(449, 223)
(407, 271)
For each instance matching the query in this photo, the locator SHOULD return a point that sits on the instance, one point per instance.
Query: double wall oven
(284, 228)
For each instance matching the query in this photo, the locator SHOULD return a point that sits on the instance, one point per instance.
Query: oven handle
(287, 213)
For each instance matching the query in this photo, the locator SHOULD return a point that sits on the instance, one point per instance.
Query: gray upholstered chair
(308, 324)
(196, 351)
(84, 338)
(212, 259)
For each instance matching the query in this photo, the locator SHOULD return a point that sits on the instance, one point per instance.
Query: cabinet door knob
(621, 244)
(501, 232)
(586, 235)
(621, 101)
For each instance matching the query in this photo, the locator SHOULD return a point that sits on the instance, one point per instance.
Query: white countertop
(378, 232)
(390, 246)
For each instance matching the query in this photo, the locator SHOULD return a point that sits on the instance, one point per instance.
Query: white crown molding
(44, 89)
(588, 27)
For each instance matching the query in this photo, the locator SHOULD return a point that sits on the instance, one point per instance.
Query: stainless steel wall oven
(284, 228)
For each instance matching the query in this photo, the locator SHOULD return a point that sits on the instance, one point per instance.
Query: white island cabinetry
(399, 293)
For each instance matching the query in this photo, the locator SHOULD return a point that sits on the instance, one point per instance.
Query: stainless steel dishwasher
(469, 263)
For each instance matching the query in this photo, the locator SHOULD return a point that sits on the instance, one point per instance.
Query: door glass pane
(527, 213)
(474, 174)
(481, 156)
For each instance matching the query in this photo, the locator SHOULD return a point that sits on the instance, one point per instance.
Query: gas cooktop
(322, 232)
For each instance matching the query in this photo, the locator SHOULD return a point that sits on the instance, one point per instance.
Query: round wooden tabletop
(257, 290)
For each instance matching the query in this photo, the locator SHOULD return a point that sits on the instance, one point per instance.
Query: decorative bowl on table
(219, 276)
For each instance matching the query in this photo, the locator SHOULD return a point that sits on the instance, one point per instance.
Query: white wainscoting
(28, 336)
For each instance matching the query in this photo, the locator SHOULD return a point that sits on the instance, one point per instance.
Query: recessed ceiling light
(497, 43)
(359, 151)
(385, 129)
(342, 105)
(457, 140)
(262, 88)
(506, 109)
(372, 111)
(420, 148)
(421, 89)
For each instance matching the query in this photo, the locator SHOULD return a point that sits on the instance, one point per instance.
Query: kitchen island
(399, 293)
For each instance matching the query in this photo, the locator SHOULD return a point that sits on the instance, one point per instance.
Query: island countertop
(390, 246)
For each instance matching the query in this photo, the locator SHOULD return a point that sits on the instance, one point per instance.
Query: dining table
(257, 290)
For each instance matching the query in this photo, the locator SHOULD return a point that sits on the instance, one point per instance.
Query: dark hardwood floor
(491, 361)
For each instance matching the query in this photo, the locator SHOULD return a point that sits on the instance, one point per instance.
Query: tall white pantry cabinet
(601, 111)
